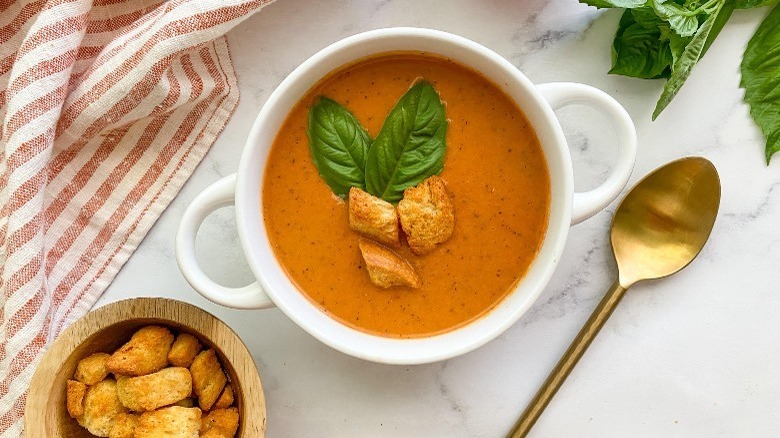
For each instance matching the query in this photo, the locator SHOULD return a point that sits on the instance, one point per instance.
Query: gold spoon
(658, 229)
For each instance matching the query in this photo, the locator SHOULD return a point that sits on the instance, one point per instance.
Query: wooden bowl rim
(118, 312)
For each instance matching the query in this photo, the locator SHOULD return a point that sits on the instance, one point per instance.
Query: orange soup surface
(496, 176)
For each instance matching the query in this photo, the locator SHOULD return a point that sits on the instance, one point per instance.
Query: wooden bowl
(105, 330)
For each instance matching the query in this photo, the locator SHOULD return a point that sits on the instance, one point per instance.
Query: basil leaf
(410, 146)
(338, 145)
(646, 17)
(679, 18)
(677, 44)
(748, 4)
(638, 50)
(689, 57)
(761, 79)
(615, 3)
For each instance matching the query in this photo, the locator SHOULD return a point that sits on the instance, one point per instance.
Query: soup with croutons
(406, 195)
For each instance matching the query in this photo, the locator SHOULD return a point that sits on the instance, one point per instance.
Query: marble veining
(694, 355)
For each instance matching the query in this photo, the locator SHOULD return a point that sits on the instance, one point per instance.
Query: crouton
(124, 426)
(92, 369)
(74, 397)
(183, 350)
(146, 352)
(226, 399)
(426, 215)
(373, 217)
(386, 268)
(101, 405)
(170, 422)
(149, 392)
(207, 378)
(224, 421)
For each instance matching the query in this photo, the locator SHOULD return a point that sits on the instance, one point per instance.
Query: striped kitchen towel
(106, 106)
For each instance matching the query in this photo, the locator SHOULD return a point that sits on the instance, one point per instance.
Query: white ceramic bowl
(275, 288)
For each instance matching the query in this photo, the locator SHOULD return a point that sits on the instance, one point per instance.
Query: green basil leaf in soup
(338, 145)
(682, 20)
(410, 146)
(639, 49)
(761, 79)
(681, 69)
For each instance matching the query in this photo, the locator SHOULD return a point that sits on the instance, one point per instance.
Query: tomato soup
(496, 176)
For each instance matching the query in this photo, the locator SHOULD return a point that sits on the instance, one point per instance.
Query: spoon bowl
(663, 223)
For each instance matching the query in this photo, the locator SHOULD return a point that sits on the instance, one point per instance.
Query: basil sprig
(693, 51)
(666, 38)
(408, 149)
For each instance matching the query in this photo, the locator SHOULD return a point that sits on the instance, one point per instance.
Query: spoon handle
(568, 361)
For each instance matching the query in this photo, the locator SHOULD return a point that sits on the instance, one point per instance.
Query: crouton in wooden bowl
(146, 367)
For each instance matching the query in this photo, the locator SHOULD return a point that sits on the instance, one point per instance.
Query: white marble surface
(695, 355)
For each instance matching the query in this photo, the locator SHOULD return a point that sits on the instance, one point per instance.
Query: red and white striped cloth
(106, 106)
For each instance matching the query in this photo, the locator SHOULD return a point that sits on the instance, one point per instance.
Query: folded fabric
(106, 106)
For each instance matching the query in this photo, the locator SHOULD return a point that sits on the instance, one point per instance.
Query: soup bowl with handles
(275, 288)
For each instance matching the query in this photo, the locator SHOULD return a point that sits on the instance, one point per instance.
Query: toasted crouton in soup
(374, 217)
(385, 267)
(426, 215)
(101, 406)
(184, 350)
(170, 422)
(74, 398)
(222, 421)
(124, 426)
(208, 378)
(146, 352)
(92, 369)
(149, 392)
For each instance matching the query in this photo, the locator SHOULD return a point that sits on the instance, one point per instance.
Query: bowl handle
(218, 195)
(560, 94)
